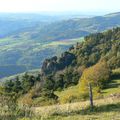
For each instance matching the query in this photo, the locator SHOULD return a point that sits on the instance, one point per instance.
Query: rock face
(54, 64)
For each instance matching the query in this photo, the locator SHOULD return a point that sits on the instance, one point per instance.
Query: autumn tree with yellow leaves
(97, 75)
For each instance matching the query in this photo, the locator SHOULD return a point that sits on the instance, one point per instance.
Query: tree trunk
(91, 95)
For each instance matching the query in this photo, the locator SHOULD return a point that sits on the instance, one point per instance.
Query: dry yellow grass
(72, 107)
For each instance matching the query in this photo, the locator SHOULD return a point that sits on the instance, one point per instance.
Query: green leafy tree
(9, 86)
(17, 85)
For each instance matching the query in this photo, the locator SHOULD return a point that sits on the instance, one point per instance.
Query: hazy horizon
(60, 6)
(55, 13)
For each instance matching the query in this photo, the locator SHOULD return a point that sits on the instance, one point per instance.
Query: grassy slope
(106, 108)
(113, 87)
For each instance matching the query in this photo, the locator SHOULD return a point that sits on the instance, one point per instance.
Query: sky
(82, 6)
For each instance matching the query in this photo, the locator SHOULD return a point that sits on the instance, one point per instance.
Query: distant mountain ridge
(73, 28)
(113, 14)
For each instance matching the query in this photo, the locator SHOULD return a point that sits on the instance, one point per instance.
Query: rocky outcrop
(54, 64)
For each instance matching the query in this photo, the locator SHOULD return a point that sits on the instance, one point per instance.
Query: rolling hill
(12, 22)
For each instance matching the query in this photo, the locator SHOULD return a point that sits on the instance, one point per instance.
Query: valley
(26, 48)
(20, 55)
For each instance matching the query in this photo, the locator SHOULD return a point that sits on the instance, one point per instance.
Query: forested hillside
(99, 46)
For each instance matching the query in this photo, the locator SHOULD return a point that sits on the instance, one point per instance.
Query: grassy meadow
(105, 108)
